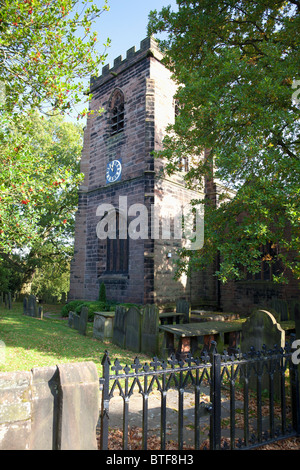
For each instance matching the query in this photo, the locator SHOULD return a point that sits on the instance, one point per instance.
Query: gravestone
(119, 331)
(79, 322)
(25, 302)
(103, 325)
(281, 307)
(133, 325)
(149, 335)
(31, 306)
(259, 330)
(71, 319)
(83, 319)
(183, 306)
(76, 321)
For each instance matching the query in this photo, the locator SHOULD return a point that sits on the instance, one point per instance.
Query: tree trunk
(27, 283)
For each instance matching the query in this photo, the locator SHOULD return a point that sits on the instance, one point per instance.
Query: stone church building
(123, 189)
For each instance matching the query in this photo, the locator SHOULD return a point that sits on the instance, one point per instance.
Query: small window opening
(117, 112)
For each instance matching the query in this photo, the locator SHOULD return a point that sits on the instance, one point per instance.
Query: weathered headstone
(103, 325)
(119, 330)
(133, 325)
(76, 321)
(71, 319)
(183, 306)
(281, 307)
(149, 335)
(258, 331)
(32, 306)
(83, 320)
(25, 305)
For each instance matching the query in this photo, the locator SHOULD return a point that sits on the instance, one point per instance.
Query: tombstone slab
(259, 330)
(103, 325)
(83, 320)
(183, 306)
(133, 325)
(149, 333)
(119, 329)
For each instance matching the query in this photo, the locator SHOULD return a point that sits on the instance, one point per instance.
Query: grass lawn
(32, 342)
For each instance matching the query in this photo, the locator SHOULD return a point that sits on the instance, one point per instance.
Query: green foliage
(70, 307)
(102, 292)
(51, 280)
(236, 64)
(47, 48)
(38, 195)
(93, 306)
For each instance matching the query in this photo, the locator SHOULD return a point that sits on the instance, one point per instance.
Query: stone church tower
(123, 177)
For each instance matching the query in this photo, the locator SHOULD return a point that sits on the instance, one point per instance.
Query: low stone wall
(51, 408)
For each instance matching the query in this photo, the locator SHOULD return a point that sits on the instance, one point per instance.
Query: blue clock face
(113, 171)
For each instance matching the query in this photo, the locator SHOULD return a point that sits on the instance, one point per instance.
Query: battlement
(148, 47)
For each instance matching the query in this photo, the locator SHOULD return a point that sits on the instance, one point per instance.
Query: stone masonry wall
(50, 408)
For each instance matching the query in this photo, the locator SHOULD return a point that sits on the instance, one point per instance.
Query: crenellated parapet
(148, 48)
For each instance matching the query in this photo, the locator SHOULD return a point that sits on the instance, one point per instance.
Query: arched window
(116, 110)
(117, 252)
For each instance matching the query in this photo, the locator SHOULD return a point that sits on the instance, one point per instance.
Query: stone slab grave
(31, 307)
(119, 326)
(103, 325)
(127, 328)
(149, 329)
(259, 330)
(79, 322)
(205, 315)
(133, 325)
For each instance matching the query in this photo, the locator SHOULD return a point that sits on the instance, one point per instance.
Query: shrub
(102, 292)
(93, 306)
(70, 307)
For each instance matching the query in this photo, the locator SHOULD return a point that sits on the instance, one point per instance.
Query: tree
(236, 64)
(47, 48)
(38, 187)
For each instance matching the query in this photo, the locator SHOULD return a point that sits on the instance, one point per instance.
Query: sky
(126, 24)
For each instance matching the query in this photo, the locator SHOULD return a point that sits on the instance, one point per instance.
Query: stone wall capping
(148, 47)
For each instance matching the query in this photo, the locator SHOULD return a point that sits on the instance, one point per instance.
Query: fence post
(294, 372)
(215, 397)
(105, 402)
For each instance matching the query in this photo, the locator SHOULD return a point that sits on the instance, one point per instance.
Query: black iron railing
(258, 391)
